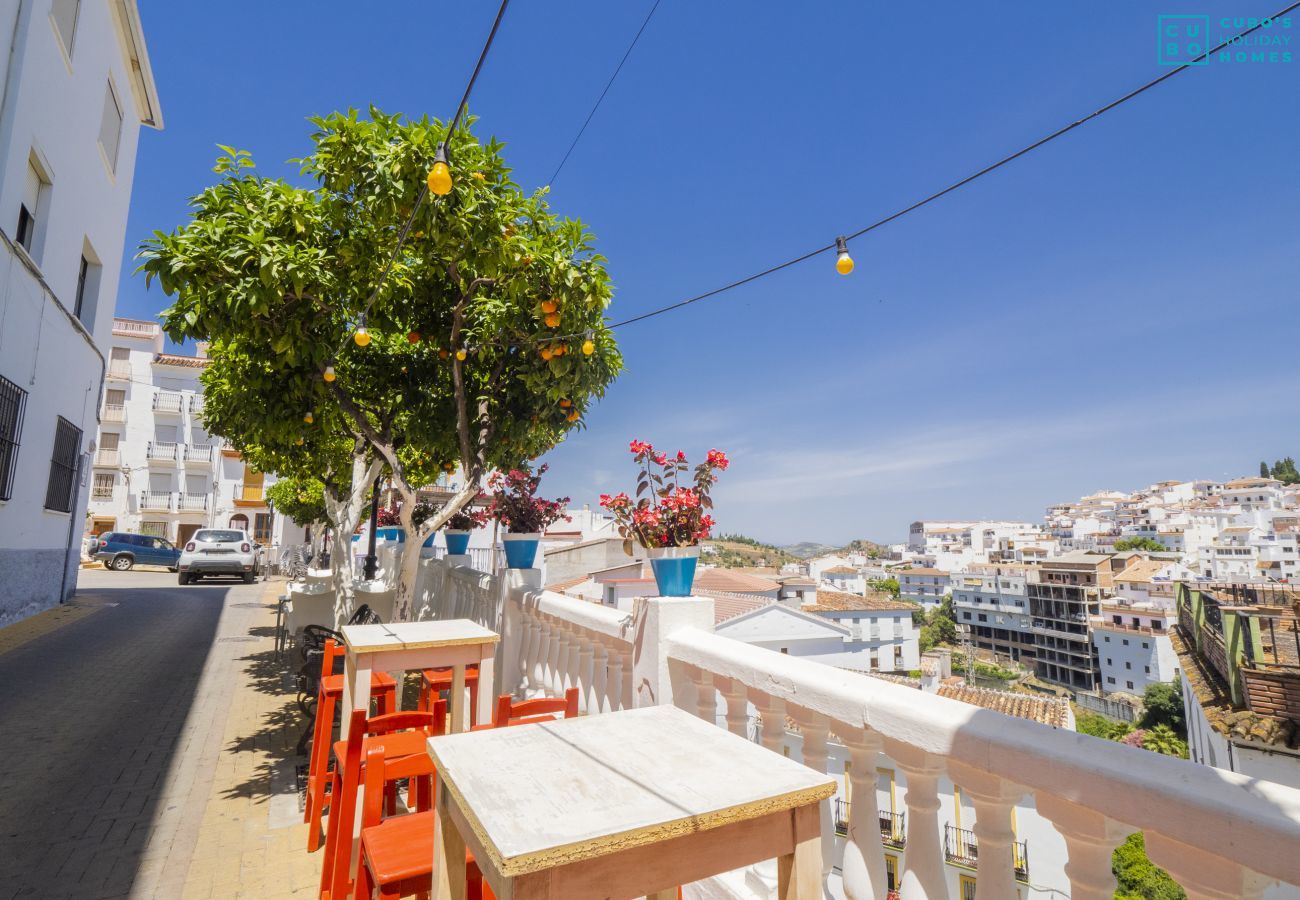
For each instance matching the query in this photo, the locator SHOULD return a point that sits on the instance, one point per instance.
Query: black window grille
(63, 467)
(13, 400)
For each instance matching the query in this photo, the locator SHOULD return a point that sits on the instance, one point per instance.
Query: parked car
(121, 551)
(218, 551)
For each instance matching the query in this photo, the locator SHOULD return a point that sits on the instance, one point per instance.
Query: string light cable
(839, 244)
(609, 84)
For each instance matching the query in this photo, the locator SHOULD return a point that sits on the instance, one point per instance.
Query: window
(1130, 685)
(1146, 645)
(88, 274)
(1128, 665)
(1148, 668)
(1125, 642)
(1108, 639)
(1108, 662)
(13, 400)
(965, 615)
(156, 529)
(966, 884)
(983, 617)
(103, 487)
(891, 871)
(785, 649)
(64, 14)
(62, 485)
(36, 192)
(110, 127)
(1110, 680)
(262, 528)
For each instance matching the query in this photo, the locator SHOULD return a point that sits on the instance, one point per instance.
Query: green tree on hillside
(1164, 706)
(1284, 470)
(1140, 543)
(1263, 470)
(1138, 878)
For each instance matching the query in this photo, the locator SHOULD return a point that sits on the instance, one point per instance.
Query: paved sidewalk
(148, 740)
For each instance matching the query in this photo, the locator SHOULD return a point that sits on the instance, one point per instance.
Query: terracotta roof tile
(735, 582)
(837, 601)
(728, 605)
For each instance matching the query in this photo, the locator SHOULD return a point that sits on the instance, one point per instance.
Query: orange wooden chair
(398, 735)
(435, 681)
(397, 852)
(382, 689)
(521, 712)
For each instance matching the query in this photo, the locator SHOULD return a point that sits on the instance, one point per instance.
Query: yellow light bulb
(588, 348)
(362, 337)
(329, 373)
(844, 264)
(308, 418)
(440, 179)
(460, 355)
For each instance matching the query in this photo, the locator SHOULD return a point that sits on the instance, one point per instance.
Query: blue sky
(1117, 308)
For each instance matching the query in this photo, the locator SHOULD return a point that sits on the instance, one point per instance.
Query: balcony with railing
(893, 831)
(162, 451)
(188, 502)
(196, 404)
(168, 402)
(156, 501)
(961, 847)
(135, 328)
(198, 453)
(114, 413)
(1218, 833)
(108, 458)
(249, 495)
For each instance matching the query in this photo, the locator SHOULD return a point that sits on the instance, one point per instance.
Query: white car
(218, 551)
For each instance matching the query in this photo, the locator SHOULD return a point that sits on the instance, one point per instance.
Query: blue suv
(120, 550)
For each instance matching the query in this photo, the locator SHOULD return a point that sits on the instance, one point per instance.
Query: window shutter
(13, 400)
(63, 467)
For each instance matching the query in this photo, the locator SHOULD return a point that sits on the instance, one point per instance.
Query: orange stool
(398, 735)
(434, 681)
(382, 689)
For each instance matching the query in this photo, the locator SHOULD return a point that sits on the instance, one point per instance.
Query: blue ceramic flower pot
(521, 550)
(391, 533)
(428, 542)
(457, 542)
(674, 570)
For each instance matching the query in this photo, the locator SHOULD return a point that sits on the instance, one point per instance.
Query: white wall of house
(76, 89)
(1130, 660)
(1210, 748)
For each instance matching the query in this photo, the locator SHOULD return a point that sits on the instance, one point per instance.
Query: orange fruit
(413, 337)
(550, 306)
(443, 354)
(565, 404)
(527, 260)
(560, 349)
(573, 416)
(553, 320)
(479, 175)
(547, 353)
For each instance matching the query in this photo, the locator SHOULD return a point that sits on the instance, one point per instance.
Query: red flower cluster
(666, 514)
(515, 503)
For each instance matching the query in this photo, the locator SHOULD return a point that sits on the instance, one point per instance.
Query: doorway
(99, 525)
(184, 532)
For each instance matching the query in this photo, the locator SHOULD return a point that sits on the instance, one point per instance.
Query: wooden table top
(539, 796)
(415, 635)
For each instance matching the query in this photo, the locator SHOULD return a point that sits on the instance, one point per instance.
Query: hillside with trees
(1283, 470)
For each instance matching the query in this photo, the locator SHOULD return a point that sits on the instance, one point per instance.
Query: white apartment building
(991, 604)
(1133, 647)
(923, 585)
(848, 579)
(156, 470)
(75, 89)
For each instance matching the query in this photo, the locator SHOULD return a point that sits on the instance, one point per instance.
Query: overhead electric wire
(963, 182)
(424, 189)
(601, 98)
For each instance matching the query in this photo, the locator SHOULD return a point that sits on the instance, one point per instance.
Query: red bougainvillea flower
(718, 460)
(681, 457)
(639, 447)
(661, 459)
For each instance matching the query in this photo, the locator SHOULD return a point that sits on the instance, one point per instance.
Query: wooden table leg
(448, 852)
(799, 874)
(486, 692)
(458, 719)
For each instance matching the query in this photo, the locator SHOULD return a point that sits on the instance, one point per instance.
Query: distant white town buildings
(75, 89)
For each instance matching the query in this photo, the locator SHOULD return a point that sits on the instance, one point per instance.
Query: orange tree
(479, 341)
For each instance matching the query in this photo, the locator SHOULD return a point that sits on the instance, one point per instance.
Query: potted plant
(459, 526)
(524, 515)
(667, 519)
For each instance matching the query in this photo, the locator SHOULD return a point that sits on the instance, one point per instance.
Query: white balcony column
(815, 729)
(1090, 841)
(863, 866)
(552, 677)
(706, 695)
(654, 620)
(993, 799)
(532, 643)
(613, 679)
(568, 657)
(597, 699)
(924, 876)
(583, 677)
(737, 699)
(510, 618)
(771, 732)
(1204, 876)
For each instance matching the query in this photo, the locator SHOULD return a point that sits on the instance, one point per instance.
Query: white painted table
(620, 805)
(402, 646)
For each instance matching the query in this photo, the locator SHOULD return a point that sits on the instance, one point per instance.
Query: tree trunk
(408, 569)
(345, 513)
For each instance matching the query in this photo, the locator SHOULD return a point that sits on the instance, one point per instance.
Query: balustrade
(1094, 793)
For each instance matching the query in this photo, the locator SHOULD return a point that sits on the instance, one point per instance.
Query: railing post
(1204, 876)
(596, 694)
(1090, 841)
(615, 679)
(815, 729)
(863, 866)
(923, 869)
(654, 619)
(551, 680)
(993, 799)
(510, 620)
(737, 699)
(585, 674)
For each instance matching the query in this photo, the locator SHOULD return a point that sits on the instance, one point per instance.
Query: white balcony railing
(119, 369)
(168, 402)
(198, 453)
(133, 328)
(114, 412)
(162, 451)
(196, 404)
(156, 500)
(1219, 834)
(108, 458)
(192, 502)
